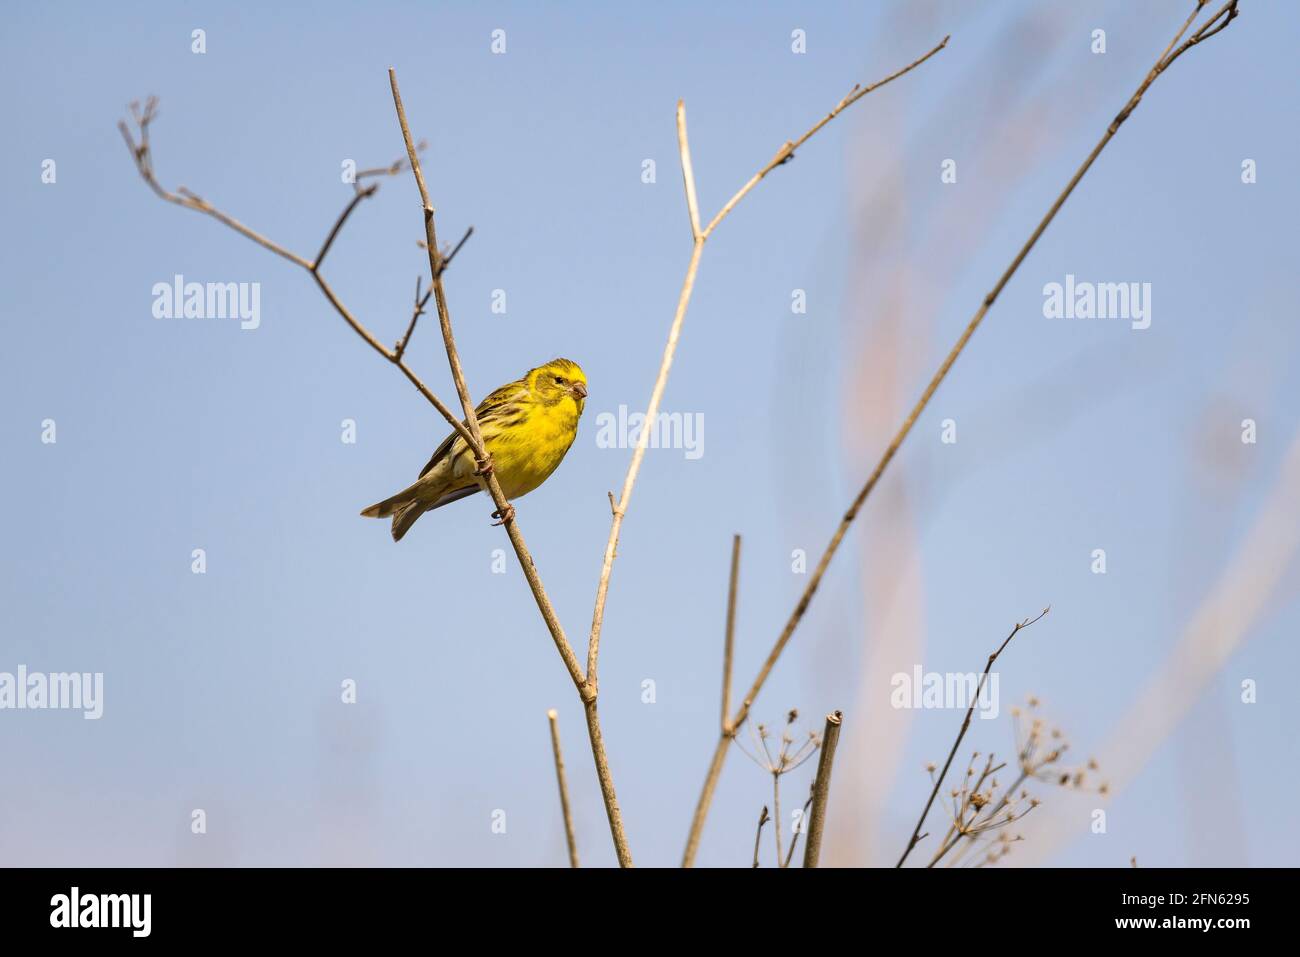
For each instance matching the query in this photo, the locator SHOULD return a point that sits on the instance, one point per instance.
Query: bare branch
(505, 511)
(812, 848)
(699, 237)
(729, 641)
(554, 719)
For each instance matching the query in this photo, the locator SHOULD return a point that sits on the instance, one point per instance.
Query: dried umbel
(980, 805)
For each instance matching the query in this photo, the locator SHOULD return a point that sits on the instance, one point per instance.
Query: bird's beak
(579, 390)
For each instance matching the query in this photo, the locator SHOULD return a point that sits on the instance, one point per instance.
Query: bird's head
(558, 380)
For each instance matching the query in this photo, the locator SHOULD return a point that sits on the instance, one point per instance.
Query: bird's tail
(410, 503)
(404, 508)
(405, 517)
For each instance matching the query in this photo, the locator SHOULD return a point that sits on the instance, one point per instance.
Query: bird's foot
(504, 515)
(484, 467)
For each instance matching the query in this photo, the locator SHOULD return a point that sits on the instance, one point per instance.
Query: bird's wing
(500, 402)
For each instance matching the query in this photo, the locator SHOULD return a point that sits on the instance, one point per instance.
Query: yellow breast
(526, 454)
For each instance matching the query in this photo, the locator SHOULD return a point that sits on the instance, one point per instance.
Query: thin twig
(803, 826)
(688, 172)
(786, 152)
(812, 848)
(420, 303)
(938, 782)
(758, 836)
(729, 642)
(1226, 14)
(776, 812)
(554, 719)
(585, 686)
(183, 197)
(357, 197)
(446, 260)
(393, 168)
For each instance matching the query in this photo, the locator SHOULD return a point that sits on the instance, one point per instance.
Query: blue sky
(222, 689)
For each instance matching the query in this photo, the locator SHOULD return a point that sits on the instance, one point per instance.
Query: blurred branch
(812, 848)
(554, 719)
(916, 832)
(393, 168)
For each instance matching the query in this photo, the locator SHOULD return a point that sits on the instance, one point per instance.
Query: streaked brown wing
(496, 404)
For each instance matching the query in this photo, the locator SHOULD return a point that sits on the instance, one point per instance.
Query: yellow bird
(527, 426)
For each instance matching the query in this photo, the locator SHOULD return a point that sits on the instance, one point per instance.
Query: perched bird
(527, 426)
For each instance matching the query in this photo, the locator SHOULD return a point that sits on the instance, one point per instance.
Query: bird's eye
(559, 380)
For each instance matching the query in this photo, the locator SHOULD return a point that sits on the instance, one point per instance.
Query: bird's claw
(484, 468)
(504, 515)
